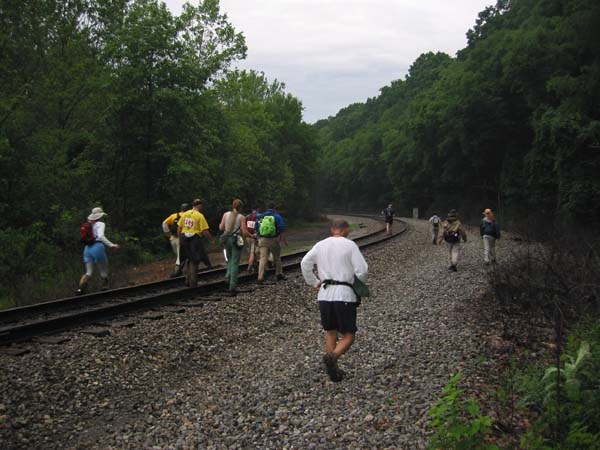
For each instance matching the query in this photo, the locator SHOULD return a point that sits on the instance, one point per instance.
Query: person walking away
(94, 253)
(490, 232)
(233, 226)
(435, 221)
(452, 232)
(251, 226)
(170, 227)
(191, 226)
(271, 234)
(338, 260)
(388, 214)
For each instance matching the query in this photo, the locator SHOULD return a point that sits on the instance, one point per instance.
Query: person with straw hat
(94, 252)
(452, 232)
(490, 232)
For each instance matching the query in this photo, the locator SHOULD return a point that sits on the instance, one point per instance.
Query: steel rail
(25, 331)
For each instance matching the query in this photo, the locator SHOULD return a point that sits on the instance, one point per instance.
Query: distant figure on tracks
(490, 232)
(271, 234)
(233, 226)
(388, 215)
(338, 261)
(452, 233)
(170, 227)
(191, 227)
(92, 236)
(435, 221)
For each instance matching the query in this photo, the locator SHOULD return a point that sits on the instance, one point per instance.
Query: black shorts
(340, 316)
(192, 248)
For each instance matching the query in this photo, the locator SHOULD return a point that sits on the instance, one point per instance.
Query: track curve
(24, 323)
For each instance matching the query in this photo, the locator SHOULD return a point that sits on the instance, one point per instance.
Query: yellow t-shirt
(169, 222)
(192, 222)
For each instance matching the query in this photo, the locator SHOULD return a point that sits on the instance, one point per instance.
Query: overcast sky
(331, 53)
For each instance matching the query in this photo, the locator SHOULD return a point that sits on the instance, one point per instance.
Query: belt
(326, 283)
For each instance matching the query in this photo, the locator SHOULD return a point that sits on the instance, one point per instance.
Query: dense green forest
(122, 104)
(512, 123)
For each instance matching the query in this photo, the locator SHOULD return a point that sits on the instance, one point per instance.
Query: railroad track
(24, 323)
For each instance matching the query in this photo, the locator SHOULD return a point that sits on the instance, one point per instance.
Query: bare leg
(344, 344)
(335, 347)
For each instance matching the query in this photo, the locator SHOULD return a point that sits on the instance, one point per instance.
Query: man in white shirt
(338, 261)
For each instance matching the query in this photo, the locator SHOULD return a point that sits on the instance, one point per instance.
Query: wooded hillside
(122, 104)
(512, 122)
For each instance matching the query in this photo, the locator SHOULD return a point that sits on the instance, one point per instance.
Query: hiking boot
(231, 292)
(177, 272)
(281, 277)
(104, 284)
(331, 367)
(83, 285)
(452, 268)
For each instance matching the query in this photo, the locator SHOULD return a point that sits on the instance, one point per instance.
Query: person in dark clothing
(388, 214)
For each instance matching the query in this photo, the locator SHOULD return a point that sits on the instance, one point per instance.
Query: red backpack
(87, 233)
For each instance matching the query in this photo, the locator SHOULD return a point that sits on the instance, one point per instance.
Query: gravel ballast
(246, 372)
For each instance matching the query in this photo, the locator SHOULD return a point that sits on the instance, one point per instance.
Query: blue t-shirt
(278, 220)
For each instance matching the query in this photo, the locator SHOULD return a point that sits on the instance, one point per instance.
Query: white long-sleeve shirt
(339, 259)
(98, 229)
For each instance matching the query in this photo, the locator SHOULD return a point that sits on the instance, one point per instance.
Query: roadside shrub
(569, 401)
(457, 422)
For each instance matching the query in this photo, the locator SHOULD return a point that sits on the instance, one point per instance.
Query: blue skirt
(94, 253)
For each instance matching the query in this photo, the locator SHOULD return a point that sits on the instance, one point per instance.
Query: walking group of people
(452, 232)
(333, 267)
(264, 232)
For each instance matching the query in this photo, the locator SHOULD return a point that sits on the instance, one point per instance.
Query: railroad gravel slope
(246, 372)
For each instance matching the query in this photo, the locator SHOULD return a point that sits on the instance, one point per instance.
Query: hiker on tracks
(233, 226)
(435, 221)
(94, 253)
(338, 261)
(490, 232)
(169, 227)
(191, 227)
(252, 227)
(271, 234)
(388, 215)
(452, 233)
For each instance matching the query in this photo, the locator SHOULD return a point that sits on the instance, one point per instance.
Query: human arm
(307, 264)
(283, 238)
(497, 230)
(279, 223)
(243, 228)
(99, 228)
(222, 224)
(463, 233)
(361, 268)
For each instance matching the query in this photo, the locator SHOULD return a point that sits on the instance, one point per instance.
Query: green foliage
(457, 422)
(123, 104)
(568, 397)
(511, 122)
